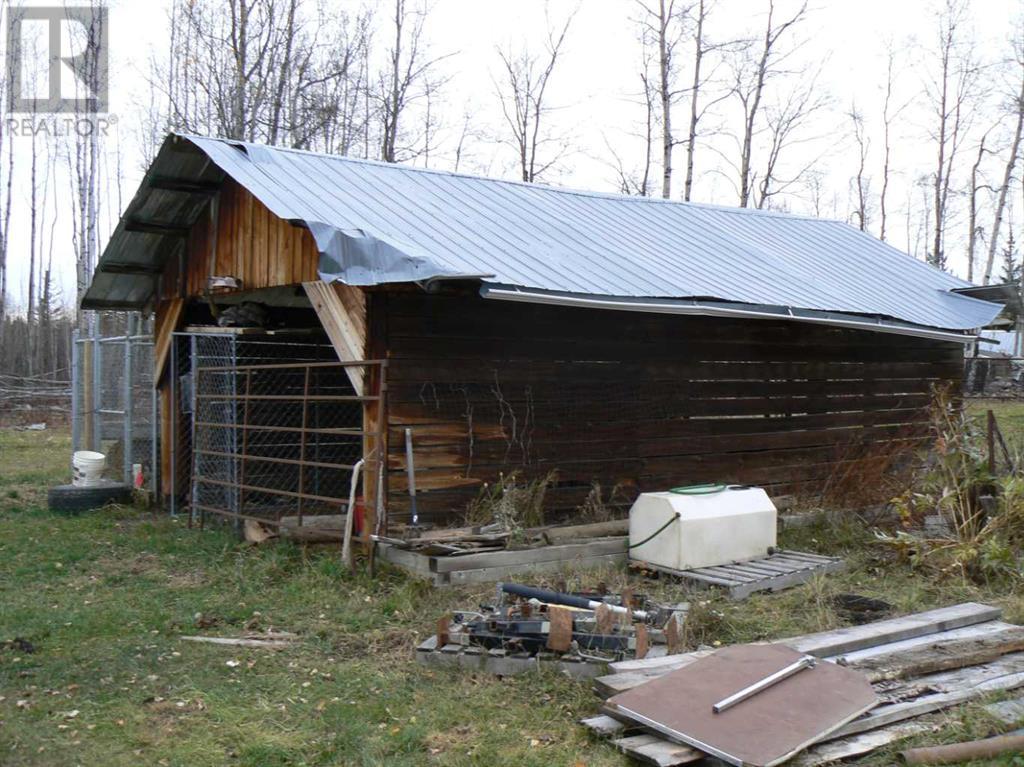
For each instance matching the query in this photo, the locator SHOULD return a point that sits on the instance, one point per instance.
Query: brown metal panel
(763, 730)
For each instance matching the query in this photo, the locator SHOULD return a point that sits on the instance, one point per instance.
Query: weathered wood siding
(252, 244)
(642, 401)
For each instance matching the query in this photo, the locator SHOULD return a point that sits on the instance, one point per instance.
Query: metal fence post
(154, 434)
(97, 394)
(194, 384)
(76, 394)
(127, 430)
(175, 414)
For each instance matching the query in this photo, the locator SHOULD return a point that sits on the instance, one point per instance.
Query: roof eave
(698, 307)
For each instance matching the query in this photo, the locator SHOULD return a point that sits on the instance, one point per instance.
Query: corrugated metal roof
(1005, 346)
(377, 223)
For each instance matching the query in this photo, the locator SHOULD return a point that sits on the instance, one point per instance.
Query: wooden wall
(252, 244)
(642, 401)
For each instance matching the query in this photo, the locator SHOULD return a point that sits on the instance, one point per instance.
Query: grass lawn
(103, 598)
(1010, 417)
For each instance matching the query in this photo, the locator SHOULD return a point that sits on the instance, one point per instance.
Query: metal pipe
(410, 470)
(175, 425)
(955, 753)
(346, 544)
(76, 394)
(570, 600)
(154, 438)
(127, 433)
(807, 661)
(97, 395)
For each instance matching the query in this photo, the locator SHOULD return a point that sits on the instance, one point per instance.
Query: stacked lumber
(918, 664)
(465, 555)
(451, 541)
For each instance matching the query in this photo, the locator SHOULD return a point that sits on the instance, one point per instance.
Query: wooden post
(375, 420)
(991, 443)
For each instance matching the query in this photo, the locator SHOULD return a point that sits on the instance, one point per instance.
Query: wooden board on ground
(651, 749)
(850, 639)
(780, 570)
(487, 566)
(763, 730)
(1007, 711)
(856, 745)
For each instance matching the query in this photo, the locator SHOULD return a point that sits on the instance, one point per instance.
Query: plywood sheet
(761, 731)
(342, 312)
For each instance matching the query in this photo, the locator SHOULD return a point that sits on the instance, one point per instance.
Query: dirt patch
(454, 739)
(397, 642)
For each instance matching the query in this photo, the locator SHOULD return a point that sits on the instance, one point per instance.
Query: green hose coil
(707, 488)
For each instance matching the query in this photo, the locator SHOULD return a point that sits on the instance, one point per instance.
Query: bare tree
(6, 179)
(754, 67)
(523, 92)
(949, 92)
(704, 69)
(662, 28)
(407, 81)
(630, 179)
(279, 71)
(890, 113)
(786, 122)
(1016, 109)
(974, 229)
(83, 154)
(863, 143)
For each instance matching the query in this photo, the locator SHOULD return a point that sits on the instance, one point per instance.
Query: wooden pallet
(504, 663)
(778, 571)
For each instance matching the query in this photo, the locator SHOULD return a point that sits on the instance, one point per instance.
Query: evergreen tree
(1011, 264)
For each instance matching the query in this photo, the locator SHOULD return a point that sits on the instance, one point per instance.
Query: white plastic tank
(717, 524)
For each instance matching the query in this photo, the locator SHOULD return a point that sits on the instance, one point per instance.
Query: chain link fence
(113, 403)
(269, 426)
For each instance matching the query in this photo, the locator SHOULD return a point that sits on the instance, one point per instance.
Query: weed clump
(977, 518)
(512, 502)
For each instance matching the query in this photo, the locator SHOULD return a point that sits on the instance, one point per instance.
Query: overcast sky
(595, 86)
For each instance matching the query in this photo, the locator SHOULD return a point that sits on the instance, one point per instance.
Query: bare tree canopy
(1014, 109)
(522, 89)
(950, 91)
(274, 71)
(754, 67)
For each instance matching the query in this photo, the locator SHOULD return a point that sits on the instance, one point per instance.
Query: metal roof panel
(377, 223)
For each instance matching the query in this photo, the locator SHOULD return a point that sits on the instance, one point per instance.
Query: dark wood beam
(146, 227)
(185, 186)
(141, 269)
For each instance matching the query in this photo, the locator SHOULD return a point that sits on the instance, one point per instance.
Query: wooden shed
(610, 342)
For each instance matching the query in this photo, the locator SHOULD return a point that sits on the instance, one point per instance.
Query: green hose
(705, 489)
(655, 533)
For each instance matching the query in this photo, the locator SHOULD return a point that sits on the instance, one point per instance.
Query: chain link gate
(270, 426)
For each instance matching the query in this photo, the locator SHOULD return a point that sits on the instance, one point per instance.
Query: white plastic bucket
(87, 468)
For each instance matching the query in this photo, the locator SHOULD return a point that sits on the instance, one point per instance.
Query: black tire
(68, 499)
